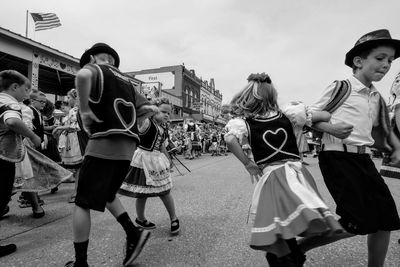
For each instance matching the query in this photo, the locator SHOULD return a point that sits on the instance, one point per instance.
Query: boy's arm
(19, 127)
(83, 86)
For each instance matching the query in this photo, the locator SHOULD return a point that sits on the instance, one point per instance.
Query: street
(212, 204)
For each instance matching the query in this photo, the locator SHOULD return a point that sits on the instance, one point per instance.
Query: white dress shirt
(360, 110)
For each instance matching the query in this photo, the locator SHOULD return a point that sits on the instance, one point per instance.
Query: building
(50, 70)
(190, 96)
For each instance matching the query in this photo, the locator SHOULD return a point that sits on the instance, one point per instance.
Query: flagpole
(26, 25)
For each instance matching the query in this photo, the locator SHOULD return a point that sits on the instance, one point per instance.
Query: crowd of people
(107, 153)
(192, 139)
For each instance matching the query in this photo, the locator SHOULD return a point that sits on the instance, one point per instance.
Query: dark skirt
(51, 150)
(363, 200)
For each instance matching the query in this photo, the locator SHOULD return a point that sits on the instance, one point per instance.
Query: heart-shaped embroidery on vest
(126, 113)
(278, 149)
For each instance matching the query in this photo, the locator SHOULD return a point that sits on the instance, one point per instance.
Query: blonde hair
(160, 101)
(258, 97)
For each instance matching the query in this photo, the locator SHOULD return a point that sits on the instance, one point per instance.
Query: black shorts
(99, 182)
(363, 200)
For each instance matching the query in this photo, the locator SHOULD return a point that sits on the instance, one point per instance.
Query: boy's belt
(346, 148)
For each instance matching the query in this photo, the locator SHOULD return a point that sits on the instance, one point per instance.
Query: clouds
(301, 44)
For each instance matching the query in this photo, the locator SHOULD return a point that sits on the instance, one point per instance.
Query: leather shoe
(7, 249)
(38, 215)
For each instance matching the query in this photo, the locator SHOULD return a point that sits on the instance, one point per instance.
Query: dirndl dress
(68, 144)
(285, 204)
(149, 174)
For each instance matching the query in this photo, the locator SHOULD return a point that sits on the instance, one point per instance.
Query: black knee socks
(126, 223)
(81, 253)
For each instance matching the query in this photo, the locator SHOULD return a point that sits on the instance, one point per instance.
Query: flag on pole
(45, 21)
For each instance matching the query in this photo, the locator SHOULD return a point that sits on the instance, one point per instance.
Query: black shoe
(272, 260)
(38, 215)
(5, 211)
(175, 227)
(134, 247)
(7, 249)
(54, 190)
(74, 264)
(145, 224)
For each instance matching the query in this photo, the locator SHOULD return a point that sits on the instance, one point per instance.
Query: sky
(301, 44)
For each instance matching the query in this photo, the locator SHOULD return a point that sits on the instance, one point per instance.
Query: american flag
(45, 21)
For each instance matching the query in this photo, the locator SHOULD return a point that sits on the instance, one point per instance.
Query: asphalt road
(212, 204)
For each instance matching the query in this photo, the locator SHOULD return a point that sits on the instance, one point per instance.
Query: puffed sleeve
(297, 113)
(237, 127)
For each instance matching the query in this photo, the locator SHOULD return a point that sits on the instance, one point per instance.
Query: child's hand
(341, 130)
(36, 140)
(254, 170)
(88, 118)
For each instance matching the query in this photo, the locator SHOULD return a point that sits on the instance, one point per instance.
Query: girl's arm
(320, 116)
(144, 125)
(340, 130)
(234, 146)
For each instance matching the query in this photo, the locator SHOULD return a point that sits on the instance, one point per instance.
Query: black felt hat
(371, 39)
(97, 49)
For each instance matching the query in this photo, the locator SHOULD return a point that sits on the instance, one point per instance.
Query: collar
(10, 97)
(358, 86)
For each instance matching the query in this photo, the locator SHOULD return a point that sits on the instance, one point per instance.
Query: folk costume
(12, 149)
(36, 172)
(68, 144)
(111, 144)
(149, 175)
(363, 199)
(286, 202)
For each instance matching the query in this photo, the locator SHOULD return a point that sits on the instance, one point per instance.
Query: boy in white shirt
(363, 200)
(14, 87)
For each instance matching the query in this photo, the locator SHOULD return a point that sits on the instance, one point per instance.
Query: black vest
(149, 137)
(112, 99)
(37, 123)
(272, 139)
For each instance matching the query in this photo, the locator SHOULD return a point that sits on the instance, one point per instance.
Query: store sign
(166, 79)
(196, 105)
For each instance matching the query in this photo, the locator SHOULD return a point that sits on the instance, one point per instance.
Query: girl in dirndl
(149, 175)
(68, 140)
(286, 203)
(68, 144)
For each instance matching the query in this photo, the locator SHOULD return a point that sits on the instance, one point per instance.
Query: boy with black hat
(363, 200)
(109, 106)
